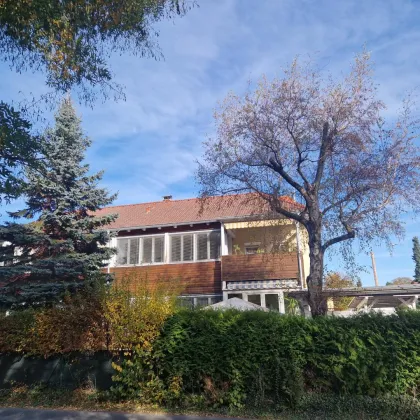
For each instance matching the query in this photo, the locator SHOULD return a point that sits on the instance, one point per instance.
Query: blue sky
(149, 143)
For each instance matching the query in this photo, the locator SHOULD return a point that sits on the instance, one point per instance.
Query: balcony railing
(267, 266)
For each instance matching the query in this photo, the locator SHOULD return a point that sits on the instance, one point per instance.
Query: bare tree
(325, 142)
(399, 281)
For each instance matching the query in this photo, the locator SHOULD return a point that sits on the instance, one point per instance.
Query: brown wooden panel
(260, 267)
(195, 278)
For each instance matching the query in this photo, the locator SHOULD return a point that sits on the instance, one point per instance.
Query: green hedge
(264, 359)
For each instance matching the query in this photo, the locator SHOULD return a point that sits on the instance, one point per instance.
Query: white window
(152, 249)
(128, 251)
(198, 301)
(144, 250)
(199, 246)
(255, 299)
(194, 246)
(182, 247)
(235, 295)
(252, 247)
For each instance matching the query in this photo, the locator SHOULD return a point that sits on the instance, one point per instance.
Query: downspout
(109, 262)
(222, 251)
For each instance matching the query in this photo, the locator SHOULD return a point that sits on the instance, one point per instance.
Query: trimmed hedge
(226, 358)
(260, 359)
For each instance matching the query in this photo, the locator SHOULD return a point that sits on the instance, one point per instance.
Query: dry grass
(317, 407)
(85, 399)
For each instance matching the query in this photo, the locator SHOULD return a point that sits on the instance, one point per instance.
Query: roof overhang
(258, 223)
(369, 292)
(246, 220)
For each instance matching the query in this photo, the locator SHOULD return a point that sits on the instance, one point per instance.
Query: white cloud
(148, 144)
(156, 133)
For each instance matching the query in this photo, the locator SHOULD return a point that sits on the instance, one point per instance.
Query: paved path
(29, 414)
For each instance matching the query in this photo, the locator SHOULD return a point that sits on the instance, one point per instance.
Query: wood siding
(260, 267)
(195, 278)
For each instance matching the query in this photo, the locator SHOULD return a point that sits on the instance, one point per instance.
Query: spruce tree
(63, 246)
(416, 258)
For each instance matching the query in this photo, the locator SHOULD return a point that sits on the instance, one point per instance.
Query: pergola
(368, 298)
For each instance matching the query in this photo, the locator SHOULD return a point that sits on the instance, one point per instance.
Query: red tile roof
(167, 212)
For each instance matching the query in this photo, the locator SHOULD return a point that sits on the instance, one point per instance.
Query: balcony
(269, 266)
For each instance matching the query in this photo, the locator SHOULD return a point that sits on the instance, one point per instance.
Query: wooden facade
(205, 278)
(260, 267)
(200, 278)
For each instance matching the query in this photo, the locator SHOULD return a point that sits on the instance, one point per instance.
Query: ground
(41, 403)
(36, 414)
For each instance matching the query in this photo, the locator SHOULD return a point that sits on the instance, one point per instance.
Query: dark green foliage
(65, 244)
(350, 407)
(253, 362)
(416, 258)
(18, 148)
(258, 359)
(71, 40)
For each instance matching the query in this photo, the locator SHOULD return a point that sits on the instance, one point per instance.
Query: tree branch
(300, 159)
(345, 198)
(322, 155)
(341, 238)
(289, 214)
(278, 167)
(349, 235)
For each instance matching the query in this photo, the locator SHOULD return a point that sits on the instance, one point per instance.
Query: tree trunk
(316, 300)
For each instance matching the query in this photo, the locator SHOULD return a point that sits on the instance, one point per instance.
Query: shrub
(127, 314)
(135, 311)
(76, 324)
(225, 358)
(256, 359)
(16, 331)
(350, 407)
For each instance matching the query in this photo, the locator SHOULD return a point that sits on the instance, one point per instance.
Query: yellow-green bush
(117, 317)
(135, 311)
(74, 325)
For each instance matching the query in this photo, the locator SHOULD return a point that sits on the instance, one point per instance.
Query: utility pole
(375, 274)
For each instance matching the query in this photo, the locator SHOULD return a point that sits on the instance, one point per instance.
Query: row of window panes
(183, 247)
(144, 250)
(271, 300)
(198, 302)
(194, 246)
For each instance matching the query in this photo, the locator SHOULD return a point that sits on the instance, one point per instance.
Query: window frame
(195, 234)
(252, 245)
(167, 250)
(140, 259)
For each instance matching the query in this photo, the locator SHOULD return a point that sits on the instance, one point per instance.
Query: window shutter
(159, 249)
(187, 252)
(147, 250)
(202, 252)
(134, 251)
(214, 245)
(175, 248)
(122, 251)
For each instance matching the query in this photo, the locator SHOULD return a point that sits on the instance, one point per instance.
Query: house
(231, 246)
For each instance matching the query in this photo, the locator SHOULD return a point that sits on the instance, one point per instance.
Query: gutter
(227, 219)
